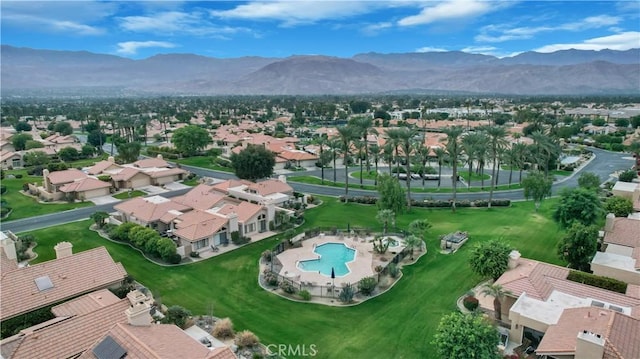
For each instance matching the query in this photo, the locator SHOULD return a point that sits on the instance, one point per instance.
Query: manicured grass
(561, 173)
(127, 195)
(371, 175)
(204, 162)
(398, 324)
(25, 206)
(474, 176)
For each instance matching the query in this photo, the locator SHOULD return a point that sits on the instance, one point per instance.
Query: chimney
(63, 250)
(138, 314)
(608, 224)
(589, 345)
(8, 246)
(282, 178)
(45, 178)
(514, 258)
(111, 159)
(159, 156)
(233, 222)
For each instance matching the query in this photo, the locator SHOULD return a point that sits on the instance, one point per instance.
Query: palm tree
(334, 145)
(386, 217)
(394, 139)
(346, 136)
(374, 150)
(543, 149)
(497, 292)
(321, 142)
(360, 146)
(470, 143)
(364, 127)
(412, 242)
(519, 152)
(387, 154)
(422, 152)
(441, 156)
(454, 150)
(405, 138)
(497, 135)
(419, 228)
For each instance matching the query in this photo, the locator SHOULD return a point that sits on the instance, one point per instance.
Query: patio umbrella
(333, 277)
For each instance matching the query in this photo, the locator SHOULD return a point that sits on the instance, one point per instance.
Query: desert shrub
(626, 176)
(470, 302)
(104, 178)
(393, 270)
(223, 329)
(245, 339)
(266, 255)
(361, 200)
(346, 294)
(619, 206)
(598, 281)
(174, 259)
(237, 239)
(367, 285)
(18, 175)
(270, 278)
(304, 294)
(177, 315)
(287, 287)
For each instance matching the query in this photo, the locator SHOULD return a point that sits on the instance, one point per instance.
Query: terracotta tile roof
(633, 291)
(196, 225)
(6, 264)
(67, 338)
(297, 155)
(244, 210)
(86, 184)
(621, 332)
(270, 186)
(85, 304)
(587, 291)
(225, 185)
(149, 209)
(161, 341)
(125, 174)
(531, 277)
(626, 232)
(200, 197)
(66, 176)
(5, 155)
(165, 173)
(101, 166)
(71, 276)
(151, 162)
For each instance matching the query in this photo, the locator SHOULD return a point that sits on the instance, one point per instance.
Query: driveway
(104, 200)
(174, 186)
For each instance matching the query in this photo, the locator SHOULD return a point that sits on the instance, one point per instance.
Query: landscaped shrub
(619, 206)
(367, 285)
(470, 302)
(287, 287)
(266, 255)
(346, 294)
(237, 239)
(223, 329)
(3, 189)
(598, 281)
(626, 176)
(245, 339)
(177, 315)
(393, 270)
(174, 259)
(270, 278)
(18, 175)
(104, 178)
(15, 325)
(304, 294)
(361, 200)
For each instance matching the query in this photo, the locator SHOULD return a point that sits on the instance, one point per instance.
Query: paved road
(603, 165)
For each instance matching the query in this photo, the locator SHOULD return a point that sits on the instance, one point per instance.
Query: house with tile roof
(69, 275)
(71, 184)
(619, 257)
(538, 295)
(10, 159)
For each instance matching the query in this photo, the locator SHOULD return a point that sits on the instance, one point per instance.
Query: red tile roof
(101, 166)
(244, 210)
(66, 176)
(85, 304)
(626, 232)
(86, 184)
(67, 338)
(161, 341)
(151, 162)
(270, 186)
(196, 225)
(165, 173)
(200, 197)
(147, 210)
(126, 174)
(71, 276)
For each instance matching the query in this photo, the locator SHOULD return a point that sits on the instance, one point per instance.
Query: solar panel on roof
(109, 349)
(44, 283)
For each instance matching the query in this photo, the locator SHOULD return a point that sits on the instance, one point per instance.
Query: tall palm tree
(374, 150)
(393, 135)
(497, 292)
(543, 148)
(470, 143)
(321, 141)
(405, 138)
(334, 145)
(364, 126)
(497, 141)
(360, 146)
(519, 152)
(454, 150)
(387, 154)
(441, 156)
(422, 153)
(347, 135)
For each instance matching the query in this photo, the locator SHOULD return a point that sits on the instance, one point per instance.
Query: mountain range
(567, 72)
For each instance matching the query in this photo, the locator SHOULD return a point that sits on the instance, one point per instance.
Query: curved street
(604, 165)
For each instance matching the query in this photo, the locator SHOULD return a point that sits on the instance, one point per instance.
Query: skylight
(109, 349)
(44, 283)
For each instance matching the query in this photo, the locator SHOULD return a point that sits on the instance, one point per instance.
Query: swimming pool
(332, 255)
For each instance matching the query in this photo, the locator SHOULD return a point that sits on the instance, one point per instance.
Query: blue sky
(140, 29)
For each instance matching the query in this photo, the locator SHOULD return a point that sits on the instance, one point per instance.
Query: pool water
(332, 255)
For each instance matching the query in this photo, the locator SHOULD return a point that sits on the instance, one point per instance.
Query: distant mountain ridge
(567, 72)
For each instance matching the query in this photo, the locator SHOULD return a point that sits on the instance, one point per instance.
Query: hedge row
(598, 281)
(430, 203)
(145, 239)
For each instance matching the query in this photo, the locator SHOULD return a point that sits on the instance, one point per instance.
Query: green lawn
(25, 206)
(397, 324)
(561, 173)
(371, 175)
(474, 176)
(204, 162)
(127, 195)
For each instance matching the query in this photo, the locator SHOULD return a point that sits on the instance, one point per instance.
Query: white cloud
(622, 41)
(298, 12)
(374, 29)
(431, 49)
(176, 22)
(131, 47)
(449, 10)
(502, 33)
(75, 17)
(484, 50)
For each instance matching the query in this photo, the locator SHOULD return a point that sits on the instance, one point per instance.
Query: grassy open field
(397, 324)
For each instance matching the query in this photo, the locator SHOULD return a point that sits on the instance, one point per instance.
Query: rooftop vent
(595, 303)
(617, 309)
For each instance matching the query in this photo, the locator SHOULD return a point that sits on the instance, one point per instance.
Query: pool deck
(360, 268)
